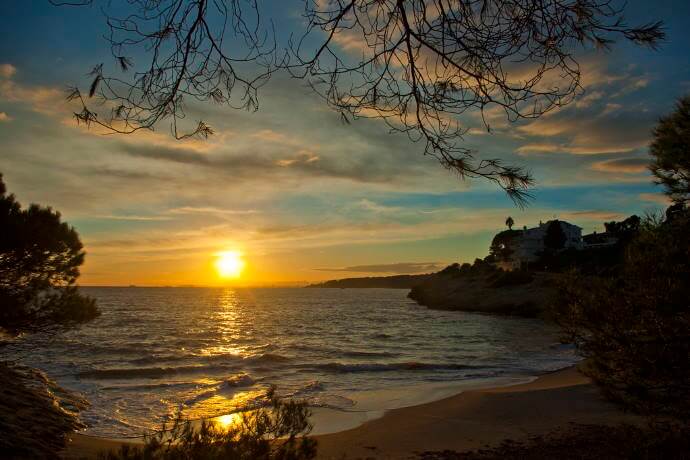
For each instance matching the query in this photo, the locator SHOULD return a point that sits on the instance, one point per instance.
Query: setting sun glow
(229, 264)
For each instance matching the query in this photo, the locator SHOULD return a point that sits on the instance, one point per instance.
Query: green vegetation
(671, 161)
(39, 264)
(634, 324)
(275, 433)
(500, 246)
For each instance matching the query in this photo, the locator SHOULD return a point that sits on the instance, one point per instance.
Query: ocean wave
(239, 380)
(385, 367)
(268, 358)
(331, 402)
(149, 386)
(152, 359)
(381, 335)
(369, 354)
(149, 372)
(310, 387)
(227, 387)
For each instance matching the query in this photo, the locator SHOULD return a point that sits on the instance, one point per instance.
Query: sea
(351, 354)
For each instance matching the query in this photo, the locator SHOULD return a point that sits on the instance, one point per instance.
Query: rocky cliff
(482, 288)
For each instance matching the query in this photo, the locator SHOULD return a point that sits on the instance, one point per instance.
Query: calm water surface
(208, 352)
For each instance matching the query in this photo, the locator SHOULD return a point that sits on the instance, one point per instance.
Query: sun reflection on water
(228, 421)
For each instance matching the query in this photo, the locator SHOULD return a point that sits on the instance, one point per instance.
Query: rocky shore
(484, 289)
(36, 415)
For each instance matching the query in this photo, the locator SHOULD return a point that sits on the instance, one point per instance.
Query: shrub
(634, 326)
(279, 432)
(512, 278)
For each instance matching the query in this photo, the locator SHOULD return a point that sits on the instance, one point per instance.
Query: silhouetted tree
(39, 265)
(676, 210)
(634, 325)
(510, 222)
(501, 246)
(624, 230)
(417, 64)
(671, 151)
(554, 239)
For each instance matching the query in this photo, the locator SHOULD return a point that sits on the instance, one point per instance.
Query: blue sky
(296, 190)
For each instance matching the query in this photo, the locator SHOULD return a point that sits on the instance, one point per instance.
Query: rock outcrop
(482, 288)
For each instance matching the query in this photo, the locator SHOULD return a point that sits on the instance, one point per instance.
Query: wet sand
(476, 419)
(470, 420)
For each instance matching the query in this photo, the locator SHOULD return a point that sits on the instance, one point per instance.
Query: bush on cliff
(634, 326)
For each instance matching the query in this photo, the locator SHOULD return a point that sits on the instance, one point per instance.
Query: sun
(229, 264)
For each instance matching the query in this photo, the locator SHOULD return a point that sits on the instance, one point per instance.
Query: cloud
(5, 117)
(42, 99)
(263, 161)
(132, 218)
(632, 84)
(622, 165)
(302, 157)
(656, 198)
(610, 130)
(120, 173)
(211, 211)
(594, 215)
(588, 99)
(372, 206)
(7, 70)
(396, 268)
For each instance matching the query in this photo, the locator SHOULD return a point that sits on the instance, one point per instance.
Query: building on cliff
(513, 249)
(599, 240)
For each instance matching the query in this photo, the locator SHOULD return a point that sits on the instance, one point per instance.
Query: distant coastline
(386, 282)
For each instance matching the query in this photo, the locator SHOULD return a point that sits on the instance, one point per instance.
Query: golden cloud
(656, 198)
(7, 70)
(623, 165)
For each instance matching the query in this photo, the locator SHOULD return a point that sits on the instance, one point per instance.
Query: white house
(528, 244)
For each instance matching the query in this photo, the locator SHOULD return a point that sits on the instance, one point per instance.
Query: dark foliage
(598, 261)
(625, 229)
(587, 442)
(670, 150)
(554, 239)
(275, 433)
(417, 65)
(511, 278)
(634, 325)
(500, 248)
(39, 264)
(510, 222)
(602, 261)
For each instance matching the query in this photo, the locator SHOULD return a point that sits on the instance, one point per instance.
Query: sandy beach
(469, 420)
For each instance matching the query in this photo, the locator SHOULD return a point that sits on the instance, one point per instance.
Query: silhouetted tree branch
(196, 49)
(418, 65)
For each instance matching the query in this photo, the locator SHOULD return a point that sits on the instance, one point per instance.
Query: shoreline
(478, 419)
(470, 419)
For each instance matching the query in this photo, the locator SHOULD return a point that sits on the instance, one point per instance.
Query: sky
(302, 196)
